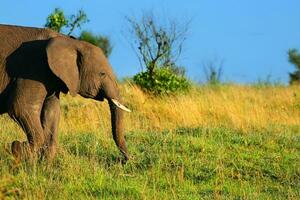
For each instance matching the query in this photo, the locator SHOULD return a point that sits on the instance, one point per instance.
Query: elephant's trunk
(118, 127)
(111, 92)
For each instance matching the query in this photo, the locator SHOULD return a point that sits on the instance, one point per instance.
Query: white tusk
(119, 105)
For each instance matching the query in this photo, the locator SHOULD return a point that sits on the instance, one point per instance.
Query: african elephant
(36, 65)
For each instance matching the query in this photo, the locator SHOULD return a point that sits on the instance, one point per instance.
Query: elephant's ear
(62, 60)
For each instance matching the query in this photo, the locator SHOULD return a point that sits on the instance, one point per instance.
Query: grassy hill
(221, 142)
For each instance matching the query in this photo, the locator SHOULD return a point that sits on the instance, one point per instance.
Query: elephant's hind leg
(25, 108)
(50, 118)
(30, 122)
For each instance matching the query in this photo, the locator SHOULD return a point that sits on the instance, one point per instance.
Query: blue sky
(250, 37)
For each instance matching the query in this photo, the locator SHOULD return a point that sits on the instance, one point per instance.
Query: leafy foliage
(58, 22)
(76, 21)
(98, 40)
(164, 81)
(294, 58)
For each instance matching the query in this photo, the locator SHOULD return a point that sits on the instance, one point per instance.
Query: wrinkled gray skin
(35, 66)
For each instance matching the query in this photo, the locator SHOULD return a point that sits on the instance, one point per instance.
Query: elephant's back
(11, 38)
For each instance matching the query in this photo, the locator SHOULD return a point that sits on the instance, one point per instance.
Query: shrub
(100, 41)
(294, 58)
(164, 81)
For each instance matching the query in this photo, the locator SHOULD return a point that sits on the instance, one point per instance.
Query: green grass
(187, 163)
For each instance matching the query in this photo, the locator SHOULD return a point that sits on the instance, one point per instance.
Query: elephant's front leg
(50, 119)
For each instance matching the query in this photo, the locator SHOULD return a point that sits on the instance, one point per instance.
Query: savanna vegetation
(216, 142)
(158, 46)
(187, 141)
(294, 59)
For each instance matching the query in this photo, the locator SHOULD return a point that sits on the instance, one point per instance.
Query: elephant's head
(84, 70)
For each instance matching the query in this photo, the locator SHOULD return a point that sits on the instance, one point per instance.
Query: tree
(58, 22)
(158, 48)
(75, 21)
(294, 58)
(101, 41)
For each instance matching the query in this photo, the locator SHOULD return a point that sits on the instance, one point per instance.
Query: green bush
(98, 40)
(163, 81)
(294, 58)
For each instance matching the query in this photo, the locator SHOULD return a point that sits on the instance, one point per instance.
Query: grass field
(221, 142)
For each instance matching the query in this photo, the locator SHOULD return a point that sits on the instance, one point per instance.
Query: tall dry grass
(233, 106)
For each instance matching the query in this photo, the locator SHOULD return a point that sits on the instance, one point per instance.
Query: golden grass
(233, 106)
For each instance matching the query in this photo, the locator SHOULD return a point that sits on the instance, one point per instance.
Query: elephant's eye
(101, 74)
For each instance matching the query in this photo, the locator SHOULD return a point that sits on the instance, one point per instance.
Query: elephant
(36, 66)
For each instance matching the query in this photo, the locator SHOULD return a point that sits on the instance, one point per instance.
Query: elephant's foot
(126, 158)
(21, 151)
(48, 152)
